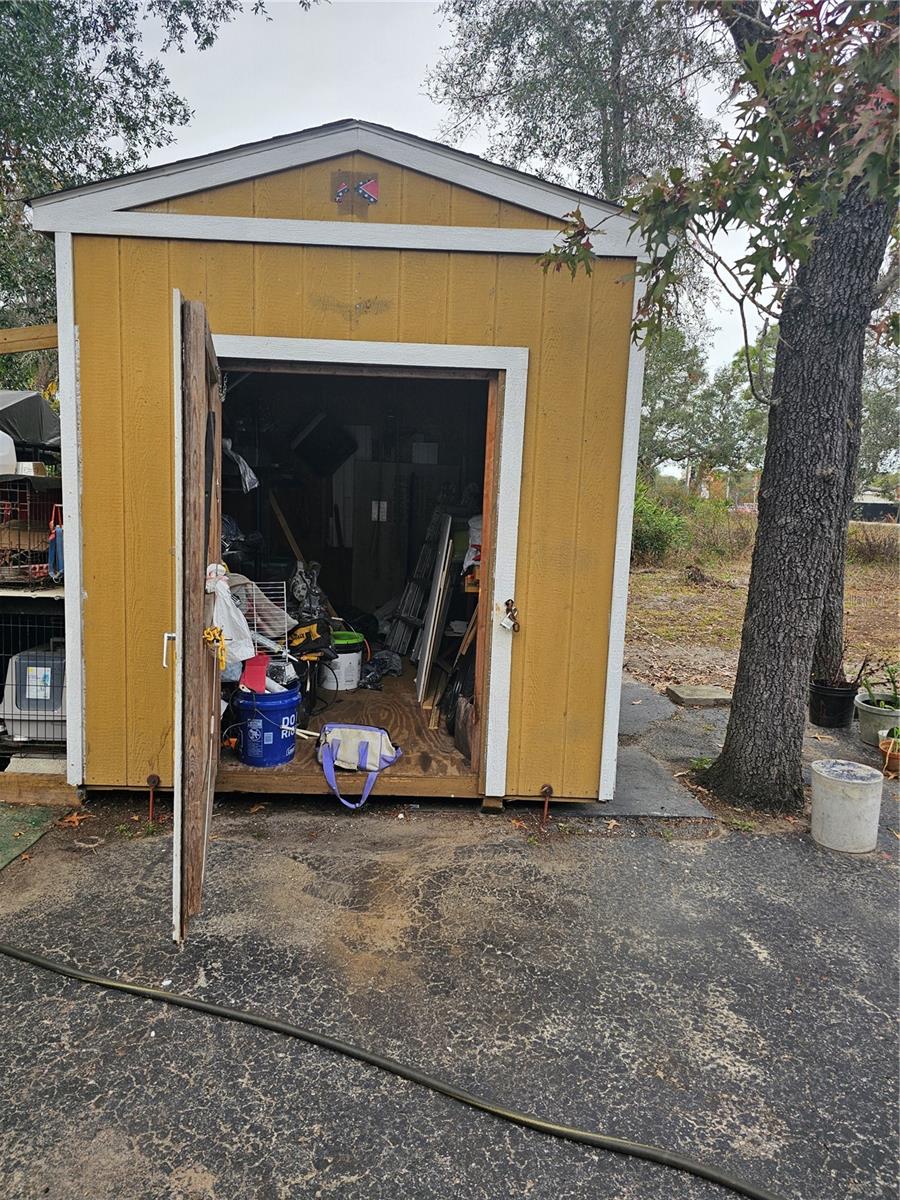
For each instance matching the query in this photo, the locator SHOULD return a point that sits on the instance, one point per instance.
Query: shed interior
(374, 482)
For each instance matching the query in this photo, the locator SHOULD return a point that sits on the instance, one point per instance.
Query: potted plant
(831, 700)
(889, 745)
(879, 710)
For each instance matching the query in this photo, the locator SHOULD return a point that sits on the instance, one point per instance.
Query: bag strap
(331, 779)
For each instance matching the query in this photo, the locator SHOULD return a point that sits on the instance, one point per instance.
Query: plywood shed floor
(431, 764)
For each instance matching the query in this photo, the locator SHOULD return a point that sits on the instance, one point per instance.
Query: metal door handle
(167, 638)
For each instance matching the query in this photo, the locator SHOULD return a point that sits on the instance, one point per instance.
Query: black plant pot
(831, 707)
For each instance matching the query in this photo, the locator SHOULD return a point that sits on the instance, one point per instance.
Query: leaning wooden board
(436, 606)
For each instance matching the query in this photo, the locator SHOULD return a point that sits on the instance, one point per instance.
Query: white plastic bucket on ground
(846, 802)
(341, 674)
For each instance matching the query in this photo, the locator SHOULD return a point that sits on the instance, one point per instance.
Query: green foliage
(657, 530)
(714, 532)
(81, 98)
(874, 543)
(674, 376)
(816, 108)
(692, 419)
(594, 92)
(888, 698)
(879, 451)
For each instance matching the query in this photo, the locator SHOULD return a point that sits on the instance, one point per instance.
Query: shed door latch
(511, 620)
(167, 639)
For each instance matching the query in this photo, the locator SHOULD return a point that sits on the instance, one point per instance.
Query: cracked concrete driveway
(729, 995)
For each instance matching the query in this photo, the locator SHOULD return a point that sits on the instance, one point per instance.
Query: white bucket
(342, 673)
(846, 802)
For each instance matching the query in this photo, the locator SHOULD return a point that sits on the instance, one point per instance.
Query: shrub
(714, 531)
(868, 542)
(657, 530)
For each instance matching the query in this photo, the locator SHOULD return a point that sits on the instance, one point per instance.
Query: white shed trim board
(70, 447)
(634, 389)
(314, 145)
(178, 687)
(610, 242)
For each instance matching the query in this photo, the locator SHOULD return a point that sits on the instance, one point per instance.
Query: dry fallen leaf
(517, 824)
(74, 819)
(613, 824)
(19, 833)
(821, 737)
(257, 808)
(25, 857)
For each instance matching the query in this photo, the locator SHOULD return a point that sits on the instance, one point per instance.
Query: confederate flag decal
(368, 190)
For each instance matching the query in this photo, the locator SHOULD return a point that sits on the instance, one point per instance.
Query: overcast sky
(350, 58)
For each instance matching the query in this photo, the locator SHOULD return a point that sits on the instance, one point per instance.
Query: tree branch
(748, 25)
(887, 282)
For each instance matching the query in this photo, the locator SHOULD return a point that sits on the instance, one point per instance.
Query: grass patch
(740, 824)
(665, 606)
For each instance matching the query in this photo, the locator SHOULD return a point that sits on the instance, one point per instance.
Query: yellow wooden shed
(370, 280)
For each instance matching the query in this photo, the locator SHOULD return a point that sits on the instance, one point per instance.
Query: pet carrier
(34, 707)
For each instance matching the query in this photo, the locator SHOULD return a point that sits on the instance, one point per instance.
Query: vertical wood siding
(577, 335)
(407, 197)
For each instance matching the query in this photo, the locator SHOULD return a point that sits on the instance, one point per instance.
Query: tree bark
(828, 654)
(804, 503)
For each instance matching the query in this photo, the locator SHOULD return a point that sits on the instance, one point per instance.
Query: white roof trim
(295, 150)
(360, 234)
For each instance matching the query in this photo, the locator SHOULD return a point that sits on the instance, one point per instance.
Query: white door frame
(513, 361)
(70, 447)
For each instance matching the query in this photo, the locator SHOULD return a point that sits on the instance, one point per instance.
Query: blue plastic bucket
(267, 723)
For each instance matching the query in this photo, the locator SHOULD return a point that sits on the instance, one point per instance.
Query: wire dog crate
(30, 533)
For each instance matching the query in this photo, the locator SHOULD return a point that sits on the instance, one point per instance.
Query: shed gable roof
(311, 145)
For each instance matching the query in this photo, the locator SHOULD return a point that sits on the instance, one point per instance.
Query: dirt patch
(745, 820)
(684, 626)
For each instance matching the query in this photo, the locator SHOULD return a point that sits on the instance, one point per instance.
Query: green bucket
(347, 640)
(342, 674)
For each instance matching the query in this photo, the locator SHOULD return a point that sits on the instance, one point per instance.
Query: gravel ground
(731, 995)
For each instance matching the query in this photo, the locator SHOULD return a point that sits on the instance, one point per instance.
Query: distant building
(873, 506)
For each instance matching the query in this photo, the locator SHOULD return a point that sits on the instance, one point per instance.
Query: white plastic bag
(248, 478)
(228, 617)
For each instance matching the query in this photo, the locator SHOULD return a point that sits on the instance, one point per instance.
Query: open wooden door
(198, 529)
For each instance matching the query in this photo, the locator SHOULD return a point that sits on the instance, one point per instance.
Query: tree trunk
(828, 655)
(804, 503)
